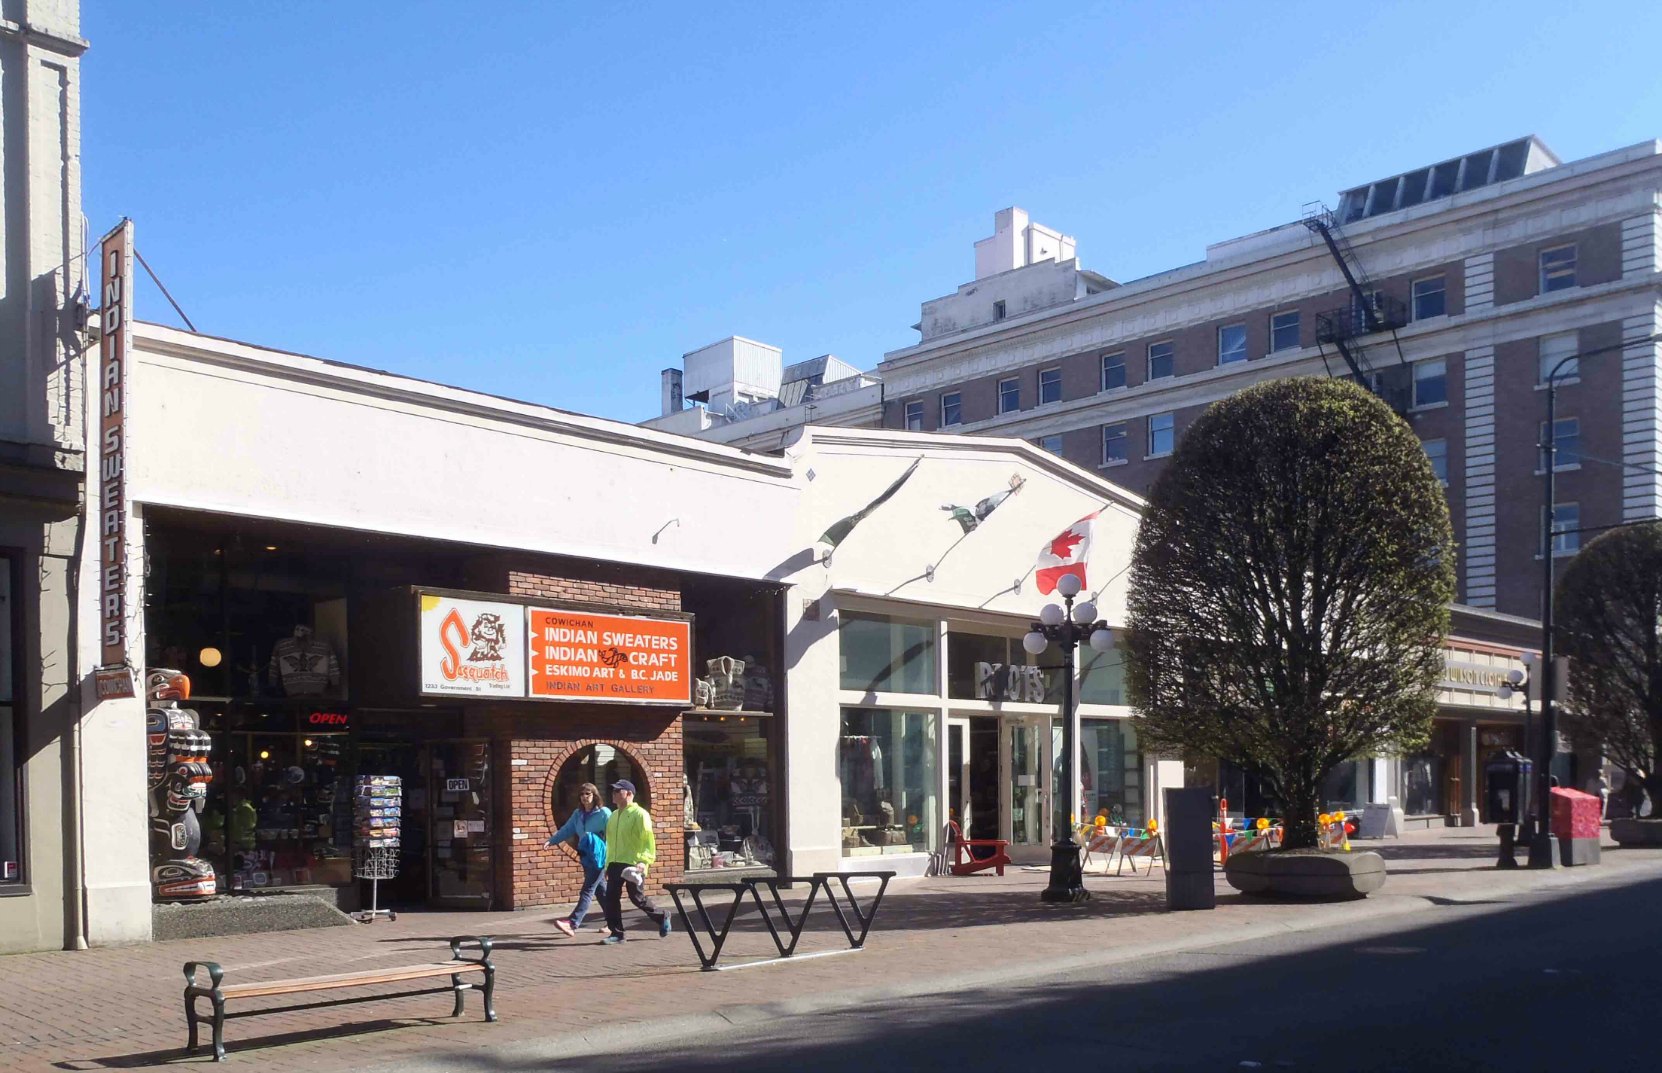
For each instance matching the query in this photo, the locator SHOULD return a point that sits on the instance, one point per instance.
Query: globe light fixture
(1051, 615)
(209, 657)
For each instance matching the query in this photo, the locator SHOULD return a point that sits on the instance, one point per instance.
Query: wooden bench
(218, 993)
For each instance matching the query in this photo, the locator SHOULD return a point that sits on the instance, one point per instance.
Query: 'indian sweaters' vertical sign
(577, 655)
(115, 350)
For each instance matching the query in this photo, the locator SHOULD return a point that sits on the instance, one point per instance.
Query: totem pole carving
(178, 780)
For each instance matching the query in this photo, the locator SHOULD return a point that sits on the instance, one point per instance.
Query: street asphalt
(1523, 979)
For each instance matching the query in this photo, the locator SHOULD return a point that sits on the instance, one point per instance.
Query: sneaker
(611, 940)
(565, 927)
(663, 929)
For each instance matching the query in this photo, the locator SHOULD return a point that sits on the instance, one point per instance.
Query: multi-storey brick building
(1473, 277)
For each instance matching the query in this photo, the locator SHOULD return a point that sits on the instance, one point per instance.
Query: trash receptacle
(1506, 778)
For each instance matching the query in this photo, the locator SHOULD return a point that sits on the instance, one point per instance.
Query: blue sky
(555, 201)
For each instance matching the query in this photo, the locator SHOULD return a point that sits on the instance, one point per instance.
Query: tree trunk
(1299, 829)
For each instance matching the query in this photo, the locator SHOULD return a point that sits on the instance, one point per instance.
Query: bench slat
(349, 979)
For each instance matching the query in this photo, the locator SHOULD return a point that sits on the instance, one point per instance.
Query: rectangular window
(1113, 371)
(1284, 331)
(1112, 776)
(1232, 344)
(989, 667)
(914, 416)
(1114, 444)
(1566, 526)
(1161, 434)
(878, 654)
(890, 798)
(1437, 451)
(1050, 386)
(11, 766)
(1566, 443)
(1052, 443)
(1556, 348)
(1430, 382)
(998, 310)
(1557, 268)
(1009, 395)
(952, 408)
(1160, 363)
(1430, 297)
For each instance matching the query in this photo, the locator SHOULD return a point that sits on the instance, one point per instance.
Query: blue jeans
(594, 885)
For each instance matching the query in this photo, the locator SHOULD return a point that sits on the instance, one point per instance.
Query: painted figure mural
(178, 782)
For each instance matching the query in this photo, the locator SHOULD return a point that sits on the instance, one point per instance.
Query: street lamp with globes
(1066, 626)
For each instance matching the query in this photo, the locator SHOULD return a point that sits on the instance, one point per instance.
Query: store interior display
(727, 800)
(178, 777)
(304, 665)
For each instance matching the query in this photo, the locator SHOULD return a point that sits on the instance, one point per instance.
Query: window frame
(1123, 439)
(1297, 326)
(1102, 372)
(1057, 371)
(1441, 279)
(1417, 379)
(957, 398)
(1010, 385)
(1542, 274)
(1041, 444)
(1559, 453)
(906, 414)
(1170, 355)
(1242, 350)
(1170, 430)
(1562, 546)
(1542, 368)
(1443, 455)
(1001, 310)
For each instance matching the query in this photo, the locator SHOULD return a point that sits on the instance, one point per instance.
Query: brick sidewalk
(120, 1008)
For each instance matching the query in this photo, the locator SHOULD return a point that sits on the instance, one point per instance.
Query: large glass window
(11, 793)
(981, 667)
(1160, 359)
(1113, 371)
(879, 654)
(1111, 773)
(1101, 676)
(1009, 395)
(886, 760)
(728, 808)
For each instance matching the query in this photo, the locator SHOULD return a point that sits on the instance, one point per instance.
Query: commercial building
(43, 299)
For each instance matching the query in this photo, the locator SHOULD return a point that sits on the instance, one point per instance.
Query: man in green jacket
(630, 849)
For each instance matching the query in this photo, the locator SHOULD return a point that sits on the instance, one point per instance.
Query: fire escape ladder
(1370, 312)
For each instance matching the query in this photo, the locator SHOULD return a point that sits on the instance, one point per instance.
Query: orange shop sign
(576, 655)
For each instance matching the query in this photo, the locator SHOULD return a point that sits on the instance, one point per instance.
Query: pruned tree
(1608, 621)
(1289, 591)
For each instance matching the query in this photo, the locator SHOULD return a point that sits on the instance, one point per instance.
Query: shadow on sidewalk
(248, 1047)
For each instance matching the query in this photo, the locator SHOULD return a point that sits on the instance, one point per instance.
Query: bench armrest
(215, 974)
(484, 943)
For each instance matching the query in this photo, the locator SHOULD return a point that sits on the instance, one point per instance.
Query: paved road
(1531, 982)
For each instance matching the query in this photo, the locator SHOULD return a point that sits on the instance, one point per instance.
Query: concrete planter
(1633, 832)
(1314, 874)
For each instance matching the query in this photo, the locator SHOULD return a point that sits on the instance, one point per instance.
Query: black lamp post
(1543, 850)
(1066, 626)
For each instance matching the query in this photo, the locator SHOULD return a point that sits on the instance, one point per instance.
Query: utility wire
(1618, 465)
(157, 281)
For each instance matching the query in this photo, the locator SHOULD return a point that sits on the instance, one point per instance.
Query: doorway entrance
(999, 780)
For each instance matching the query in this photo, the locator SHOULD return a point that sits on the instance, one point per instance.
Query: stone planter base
(1633, 832)
(1312, 874)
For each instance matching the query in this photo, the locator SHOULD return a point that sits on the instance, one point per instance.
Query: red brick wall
(532, 741)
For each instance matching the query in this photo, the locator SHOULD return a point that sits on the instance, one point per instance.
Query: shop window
(886, 760)
(1422, 781)
(11, 768)
(602, 765)
(883, 655)
(1111, 776)
(1101, 676)
(980, 667)
(729, 802)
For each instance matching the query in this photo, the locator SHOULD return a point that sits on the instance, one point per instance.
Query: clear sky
(555, 201)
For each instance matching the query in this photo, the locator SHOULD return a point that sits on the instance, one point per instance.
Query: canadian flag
(1066, 554)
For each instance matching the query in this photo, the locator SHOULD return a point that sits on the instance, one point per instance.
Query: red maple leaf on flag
(1062, 546)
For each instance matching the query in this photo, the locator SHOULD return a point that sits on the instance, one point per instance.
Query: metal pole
(1067, 879)
(1543, 852)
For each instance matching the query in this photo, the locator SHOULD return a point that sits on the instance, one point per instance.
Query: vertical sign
(115, 348)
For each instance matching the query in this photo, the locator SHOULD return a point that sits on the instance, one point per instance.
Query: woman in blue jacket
(586, 829)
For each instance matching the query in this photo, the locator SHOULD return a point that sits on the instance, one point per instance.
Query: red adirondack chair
(964, 860)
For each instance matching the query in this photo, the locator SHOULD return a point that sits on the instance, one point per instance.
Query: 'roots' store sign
(488, 649)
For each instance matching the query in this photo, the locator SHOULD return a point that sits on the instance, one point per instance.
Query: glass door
(958, 773)
(461, 864)
(1025, 778)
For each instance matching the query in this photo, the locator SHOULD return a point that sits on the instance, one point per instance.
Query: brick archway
(643, 779)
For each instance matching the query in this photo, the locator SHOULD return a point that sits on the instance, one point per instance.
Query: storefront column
(1468, 774)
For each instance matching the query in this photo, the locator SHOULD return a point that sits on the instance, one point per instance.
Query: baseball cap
(624, 784)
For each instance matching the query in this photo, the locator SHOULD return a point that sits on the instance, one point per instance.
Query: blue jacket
(591, 851)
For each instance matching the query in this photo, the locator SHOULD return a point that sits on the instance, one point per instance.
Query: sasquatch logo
(489, 635)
